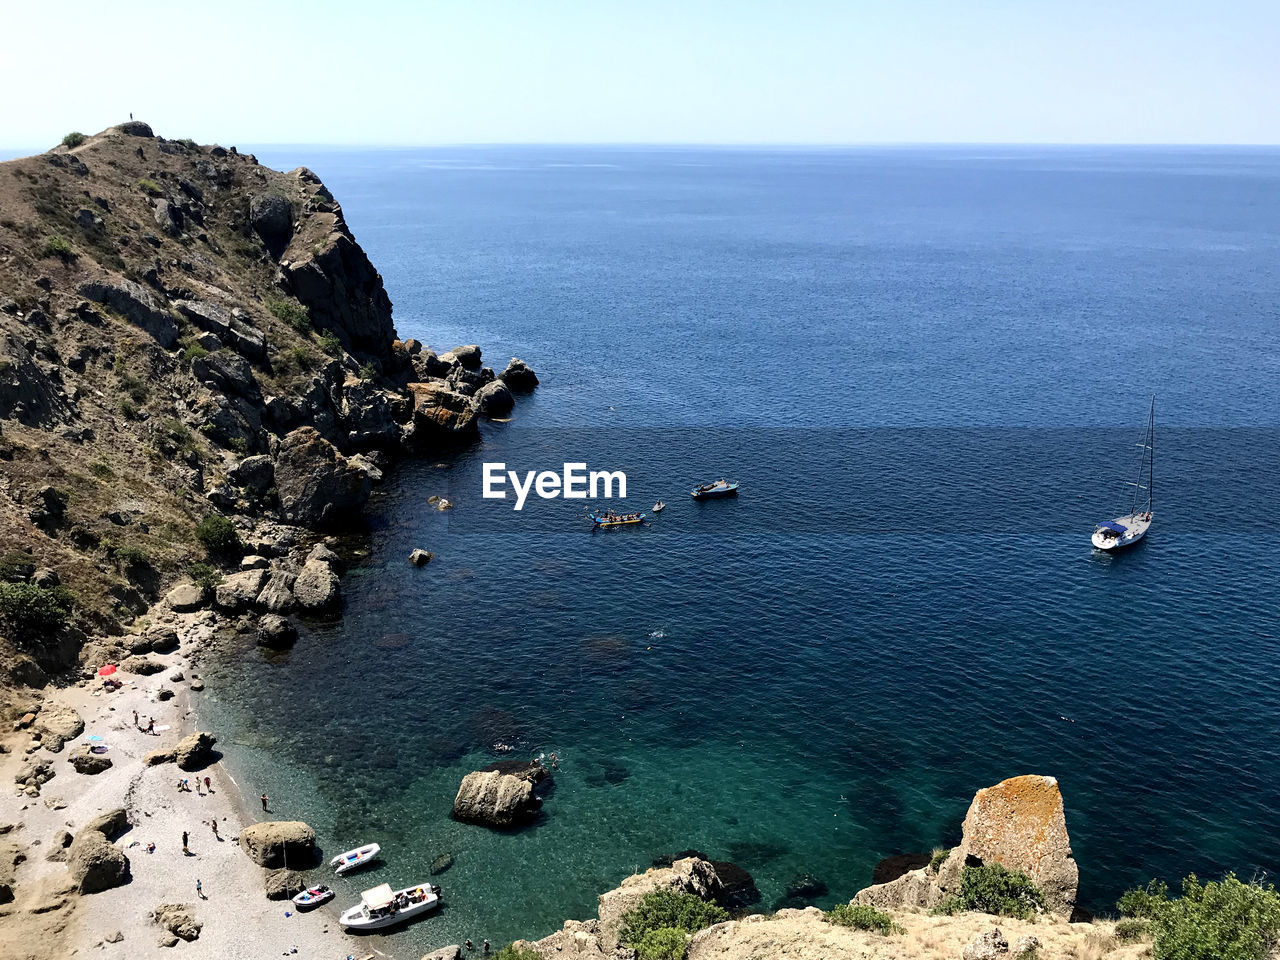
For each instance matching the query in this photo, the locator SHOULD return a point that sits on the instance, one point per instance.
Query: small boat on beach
(659, 507)
(615, 519)
(355, 859)
(312, 897)
(1133, 526)
(384, 907)
(710, 491)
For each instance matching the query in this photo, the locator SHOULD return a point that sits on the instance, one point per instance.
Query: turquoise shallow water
(821, 673)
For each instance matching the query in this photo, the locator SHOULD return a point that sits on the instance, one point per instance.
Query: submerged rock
(276, 633)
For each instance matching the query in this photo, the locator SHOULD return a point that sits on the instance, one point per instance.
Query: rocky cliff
(184, 333)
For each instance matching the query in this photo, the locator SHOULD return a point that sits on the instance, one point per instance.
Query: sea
(929, 369)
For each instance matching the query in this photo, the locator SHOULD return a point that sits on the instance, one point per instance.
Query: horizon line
(709, 145)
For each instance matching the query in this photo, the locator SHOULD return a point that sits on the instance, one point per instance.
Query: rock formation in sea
(500, 796)
(185, 336)
(1020, 824)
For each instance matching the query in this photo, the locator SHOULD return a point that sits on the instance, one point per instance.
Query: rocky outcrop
(691, 875)
(57, 724)
(420, 558)
(500, 797)
(317, 485)
(135, 304)
(95, 863)
(440, 415)
(343, 292)
(280, 843)
(519, 375)
(230, 326)
(110, 824)
(1019, 824)
(186, 598)
(468, 356)
(317, 588)
(451, 952)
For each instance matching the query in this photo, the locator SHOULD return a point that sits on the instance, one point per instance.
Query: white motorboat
(384, 907)
(659, 507)
(355, 859)
(1133, 526)
(313, 897)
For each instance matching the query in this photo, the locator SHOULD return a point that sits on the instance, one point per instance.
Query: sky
(386, 72)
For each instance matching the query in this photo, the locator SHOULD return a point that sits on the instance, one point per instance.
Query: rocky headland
(200, 384)
(186, 335)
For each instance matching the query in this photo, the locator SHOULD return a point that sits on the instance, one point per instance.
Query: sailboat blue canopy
(1112, 525)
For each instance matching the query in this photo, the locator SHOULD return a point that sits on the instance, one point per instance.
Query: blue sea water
(929, 368)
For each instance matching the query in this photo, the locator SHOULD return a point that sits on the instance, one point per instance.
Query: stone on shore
(88, 763)
(451, 952)
(275, 843)
(179, 920)
(317, 587)
(95, 863)
(142, 666)
(239, 591)
(111, 824)
(195, 751)
(497, 798)
(186, 598)
(420, 558)
(467, 355)
(284, 884)
(495, 399)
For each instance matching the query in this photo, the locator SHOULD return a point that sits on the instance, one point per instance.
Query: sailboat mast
(1151, 467)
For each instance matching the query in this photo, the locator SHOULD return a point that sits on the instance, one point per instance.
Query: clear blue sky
(746, 71)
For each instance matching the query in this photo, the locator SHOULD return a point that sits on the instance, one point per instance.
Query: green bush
(662, 909)
(73, 139)
(862, 917)
(291, 312)
(939, 857)
(218, 536)
(302, 357)
(27, 611)
(204, 576)
(57, 246)
(512, 952)
(128, 409)
(132, 558)
(368, 371)
(1132, 930)
(150, 188)
(1227, 920)
(101, 469)
(330, 343)
(664, 943)
(193, 352)
(991, 888)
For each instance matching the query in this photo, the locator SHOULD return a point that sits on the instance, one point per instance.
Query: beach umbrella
(107, 670)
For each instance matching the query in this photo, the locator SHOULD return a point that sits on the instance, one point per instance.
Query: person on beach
(184, 843)
(264, 803)
(469, 945)
(199, 789)
(214, 823)
(151, 725)
(151, 848)
(207, 785)
(200, 889)
(135, 718)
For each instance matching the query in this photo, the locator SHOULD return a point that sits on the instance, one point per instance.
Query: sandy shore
(47, 919)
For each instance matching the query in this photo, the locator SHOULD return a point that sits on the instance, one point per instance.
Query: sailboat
(1133, 526)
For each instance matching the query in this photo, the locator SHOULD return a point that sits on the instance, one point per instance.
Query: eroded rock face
(1019, 824)
(317, 485)
(494, 798)
(283, 884)
(440, 414)
(273, 842)
(195, 751)
(135, 304)
(344, 293)
(240, 590)
(179, 920)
